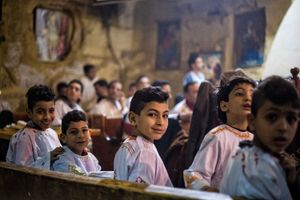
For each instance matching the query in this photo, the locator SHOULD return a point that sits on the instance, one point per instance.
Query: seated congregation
(237, 140)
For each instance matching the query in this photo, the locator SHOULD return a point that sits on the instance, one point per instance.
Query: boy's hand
(288, 163)
(54, 154)
(209, 189)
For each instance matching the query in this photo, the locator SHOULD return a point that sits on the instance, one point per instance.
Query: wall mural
(53, 29)
(168, 45)
(249, 37)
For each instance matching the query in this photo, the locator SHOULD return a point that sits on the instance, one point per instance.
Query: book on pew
(102, 174)
(98, 174)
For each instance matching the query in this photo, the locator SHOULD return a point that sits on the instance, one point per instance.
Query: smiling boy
(137, 160)
(36, 145)
(75, 135)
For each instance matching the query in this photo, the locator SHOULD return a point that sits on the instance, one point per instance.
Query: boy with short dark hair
(137, 160)
(75, 135)
(234, 102)
(262, 169)
(36, 145)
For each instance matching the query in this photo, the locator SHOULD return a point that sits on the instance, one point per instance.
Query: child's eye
(152, 114)
(239, 94)
(165, 115)
(74, 132)
(39, 112)
(272, 117)
(291, 118)
(52, 110)
(85, 130)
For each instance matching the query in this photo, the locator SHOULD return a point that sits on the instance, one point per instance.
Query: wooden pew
(22, 183)
(106, 144)
(110, 126)
(21, 116)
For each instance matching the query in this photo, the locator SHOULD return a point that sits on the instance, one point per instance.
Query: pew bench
(22, 183)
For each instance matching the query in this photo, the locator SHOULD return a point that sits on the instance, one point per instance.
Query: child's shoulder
(224, 129)
(218, 129)
(260, 160)
(136, 144)
(25, 132)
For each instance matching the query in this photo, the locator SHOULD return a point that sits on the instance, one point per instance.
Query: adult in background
(190, 91)
(88, 95)
(113, 105)
(101, 88)
(196, 74)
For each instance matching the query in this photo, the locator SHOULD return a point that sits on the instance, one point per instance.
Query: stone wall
(122, 43)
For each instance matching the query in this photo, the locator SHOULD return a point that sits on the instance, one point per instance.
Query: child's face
(152, 121)
(77, 136)
(239, 102)
(74, 92)
(274, 126)
(42, 114)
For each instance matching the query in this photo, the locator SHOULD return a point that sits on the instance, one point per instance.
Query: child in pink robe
(36, 145)
(137, 160)
(234, 103)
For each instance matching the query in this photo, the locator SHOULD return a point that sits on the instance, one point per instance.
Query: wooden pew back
(107, 144)
(22, 183)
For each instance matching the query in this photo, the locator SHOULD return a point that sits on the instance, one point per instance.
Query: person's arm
(67, 164)
(25, 154)
(122, 163)
(288, 163)
(199, 174)
(24, 151)
(95, 161)
(143, 169)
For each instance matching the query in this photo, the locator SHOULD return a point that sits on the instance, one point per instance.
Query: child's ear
(29, 113)
(251, 122)
(62, 137)
(132, 118)
(224, 106)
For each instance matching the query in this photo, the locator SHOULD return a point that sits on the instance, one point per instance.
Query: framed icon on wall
(168, 45)
(53, 30)
(249, 43)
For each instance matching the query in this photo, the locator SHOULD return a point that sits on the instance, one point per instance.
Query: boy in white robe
(137, 160)
(75, 135)
(36, 145)
(234, 103)
(263, 170)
